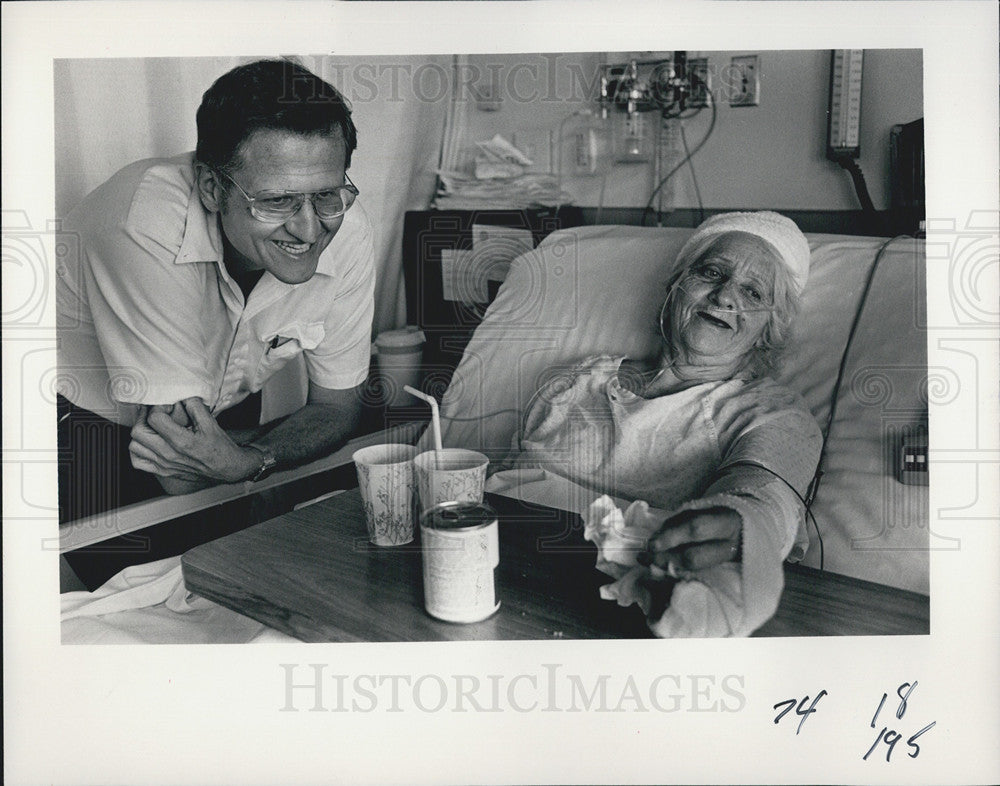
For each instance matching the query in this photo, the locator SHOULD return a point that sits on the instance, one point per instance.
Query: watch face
(268, 463)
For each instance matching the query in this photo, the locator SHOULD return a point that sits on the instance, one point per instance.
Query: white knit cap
(780, 232)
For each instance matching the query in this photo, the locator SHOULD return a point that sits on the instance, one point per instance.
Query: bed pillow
(582, 291)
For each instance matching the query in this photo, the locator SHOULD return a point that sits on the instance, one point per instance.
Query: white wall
(768, 156)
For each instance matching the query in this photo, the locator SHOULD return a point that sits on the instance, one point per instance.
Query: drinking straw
(435, 415)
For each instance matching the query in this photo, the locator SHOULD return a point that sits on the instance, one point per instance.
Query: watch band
(267, 464)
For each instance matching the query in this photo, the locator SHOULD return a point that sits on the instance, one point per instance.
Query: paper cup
(450, 475)
(385, 475)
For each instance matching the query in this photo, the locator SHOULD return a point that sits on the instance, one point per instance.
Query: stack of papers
(500, 181)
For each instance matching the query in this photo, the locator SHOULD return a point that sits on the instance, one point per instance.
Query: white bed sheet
(149, 604)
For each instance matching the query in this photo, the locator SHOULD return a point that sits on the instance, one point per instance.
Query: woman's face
(722, 303)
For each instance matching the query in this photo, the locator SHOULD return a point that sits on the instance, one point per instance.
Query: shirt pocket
(283, 345)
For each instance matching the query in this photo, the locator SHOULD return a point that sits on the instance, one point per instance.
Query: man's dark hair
(268, 94)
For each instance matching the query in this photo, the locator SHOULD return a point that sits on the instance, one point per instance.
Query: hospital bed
(583, 289)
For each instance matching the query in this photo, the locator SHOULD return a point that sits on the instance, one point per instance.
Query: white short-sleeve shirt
(148, 314)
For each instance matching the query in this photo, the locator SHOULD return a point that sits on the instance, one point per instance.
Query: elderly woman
(700, 433)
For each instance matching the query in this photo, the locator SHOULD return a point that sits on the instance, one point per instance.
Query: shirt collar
(202, 241)
(350, 230)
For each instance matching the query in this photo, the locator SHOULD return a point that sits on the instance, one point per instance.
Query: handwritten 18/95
(889, 736)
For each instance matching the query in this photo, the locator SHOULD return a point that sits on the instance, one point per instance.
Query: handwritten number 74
(799, 710)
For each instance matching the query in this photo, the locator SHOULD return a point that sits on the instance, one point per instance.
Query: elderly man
(198, 278)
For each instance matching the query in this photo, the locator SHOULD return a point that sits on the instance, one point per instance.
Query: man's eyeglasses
(279, 206)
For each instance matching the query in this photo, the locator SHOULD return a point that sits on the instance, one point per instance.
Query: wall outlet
(744, 79)
(913, 469)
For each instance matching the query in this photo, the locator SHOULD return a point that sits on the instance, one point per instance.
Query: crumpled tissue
(619, 538)
(695, 610)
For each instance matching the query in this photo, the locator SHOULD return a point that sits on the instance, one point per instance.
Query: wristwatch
(267, 464)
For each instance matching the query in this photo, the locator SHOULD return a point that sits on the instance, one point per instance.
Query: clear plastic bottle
(586, 145)
(633, 138)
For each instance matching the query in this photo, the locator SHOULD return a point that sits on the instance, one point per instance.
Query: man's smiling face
(272, 160)
(722, 303)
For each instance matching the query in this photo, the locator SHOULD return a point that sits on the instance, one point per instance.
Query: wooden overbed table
(312, 574)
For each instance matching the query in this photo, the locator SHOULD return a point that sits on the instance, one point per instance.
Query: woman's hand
(694, 540)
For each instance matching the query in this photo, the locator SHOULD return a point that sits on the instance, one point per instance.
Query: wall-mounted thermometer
(844, 128)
